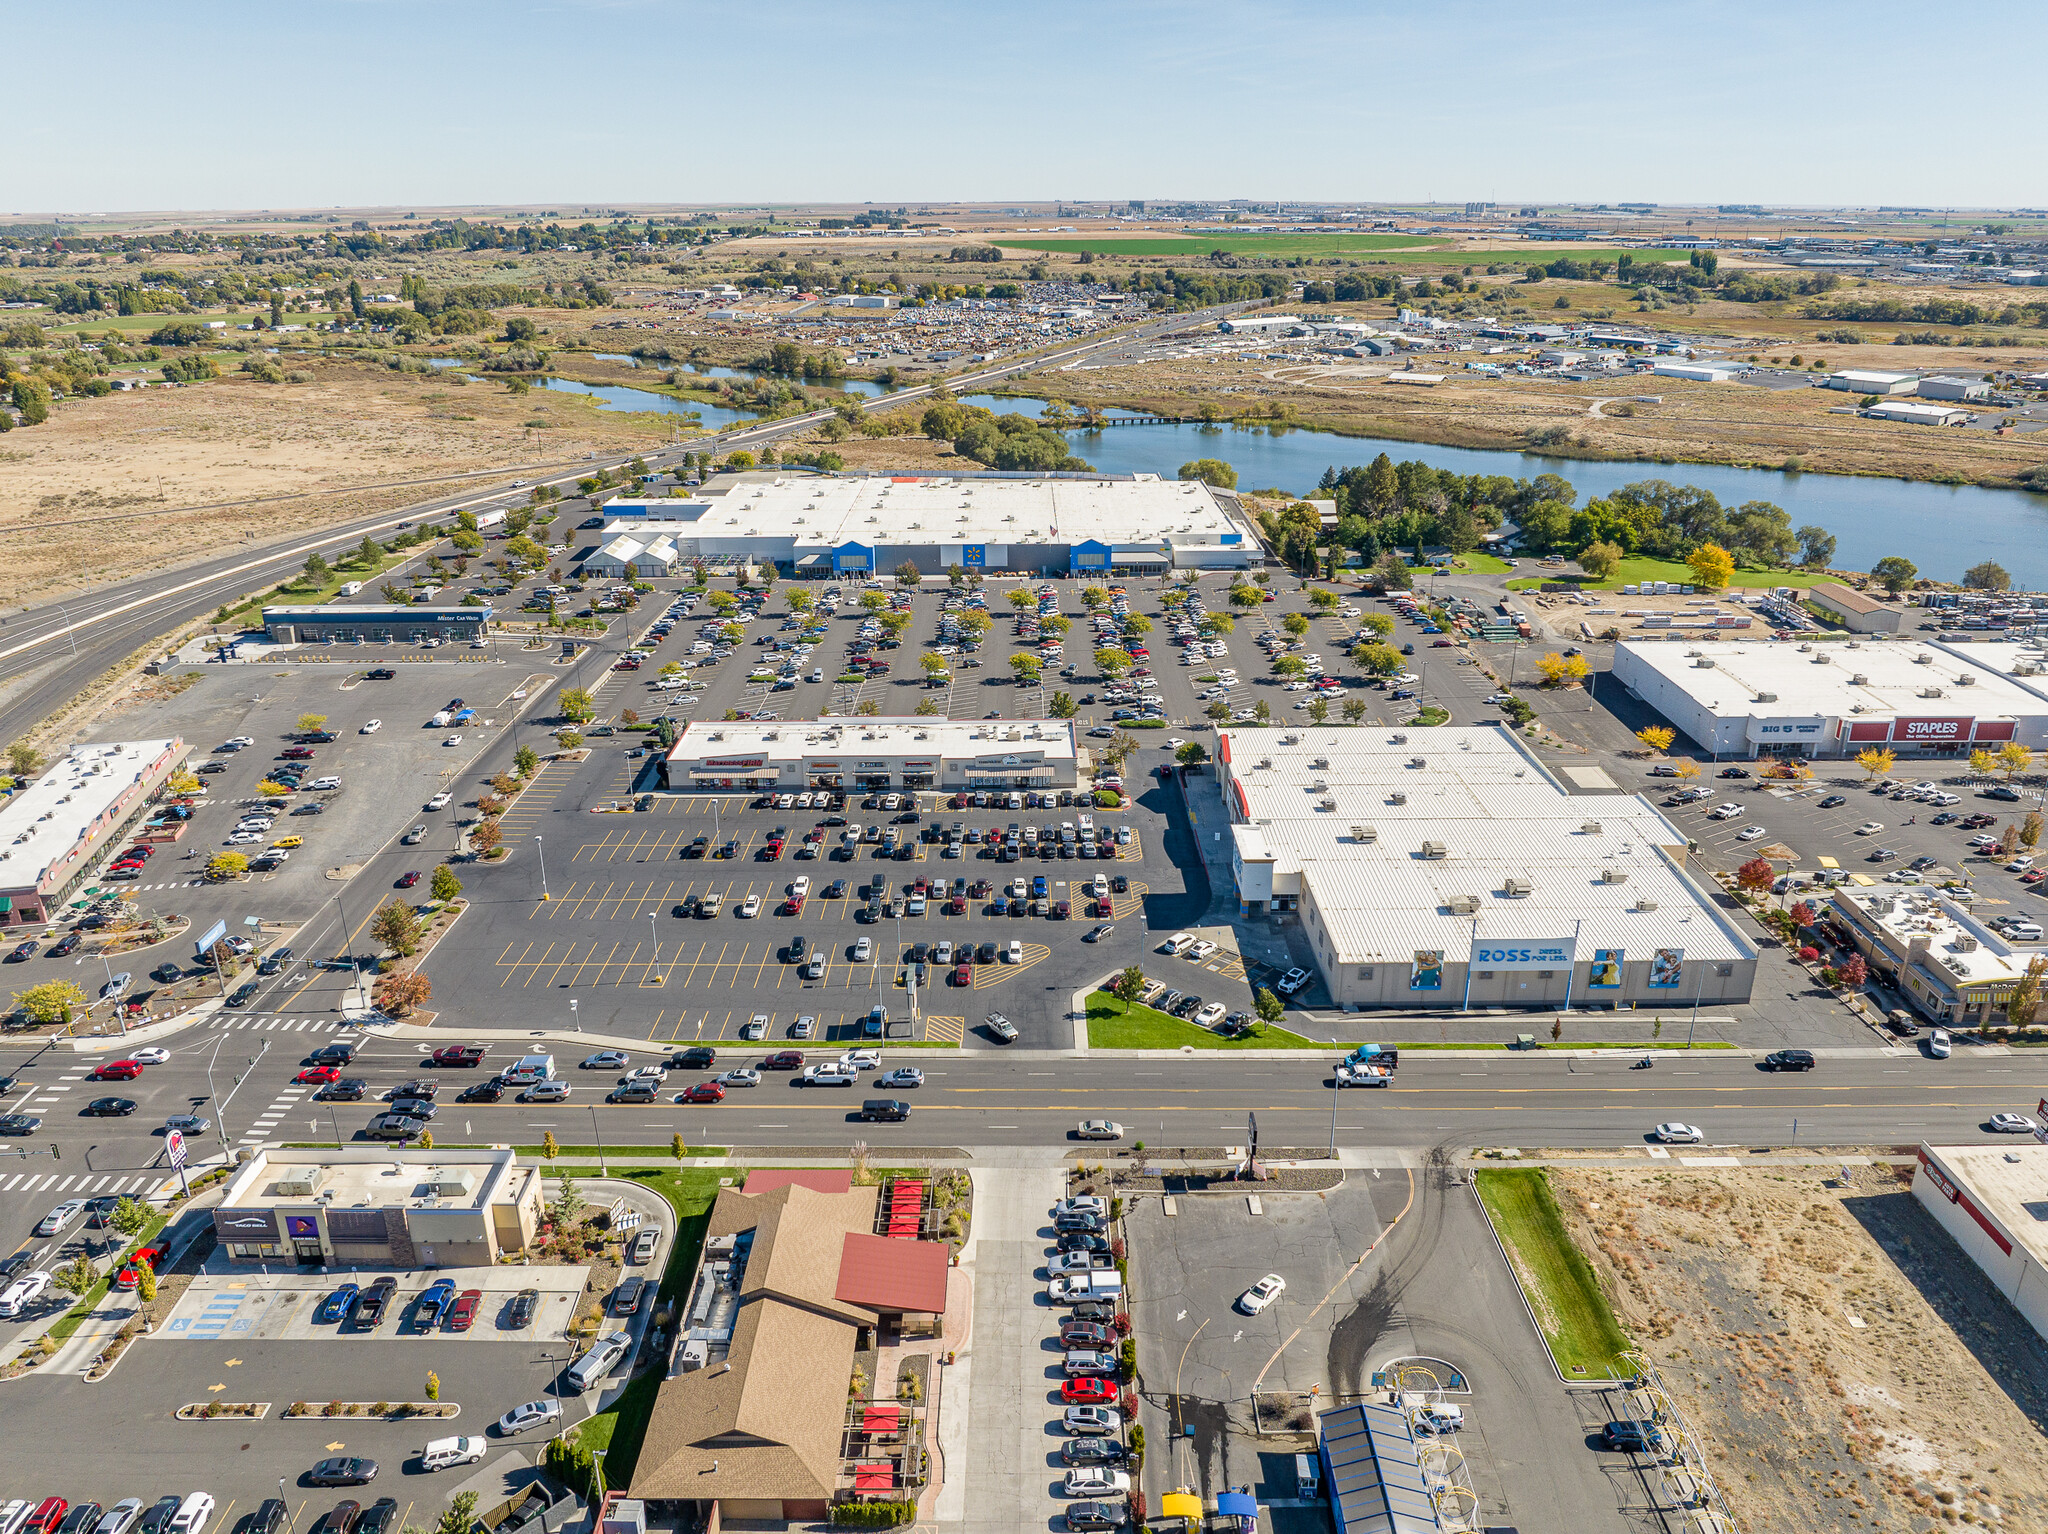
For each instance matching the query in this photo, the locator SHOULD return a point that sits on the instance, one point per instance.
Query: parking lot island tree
(575, 705)
(1656, 736)
(2014, 759)
(1269, 1006)
(312, 724)
(1876, 762)
(227, 865)
(53, 1001)
(525, 761)
(404, 994)
(1128, 986)
(1559, 670)
(397, 926)
(1060, 705)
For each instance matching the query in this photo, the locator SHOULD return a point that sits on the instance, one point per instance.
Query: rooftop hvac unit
(1416, 761)
(1364, 834)
(1645, 905)
(1321, 764)
(1967, 679)
(1923, 660)
(1704, 663)
(1859, 680)
(1397, 797)
(1318, 786)
(1397, 740)
(1930, 692)
(1767, 697)
(1265, 761)
(1613, 876)
(1966, 944)
(300, 1181)
(1820, 660)
(1517, 889)
(1803, 649)
(1462, 905)
(1434, 850)
(1326, 804)
(1590, 827)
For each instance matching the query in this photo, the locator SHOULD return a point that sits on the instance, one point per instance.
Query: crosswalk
(221, 1022)
(86, 1184)
(175, 884)
(265, 1123)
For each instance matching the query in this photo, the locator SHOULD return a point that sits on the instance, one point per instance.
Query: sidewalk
(1209, 822)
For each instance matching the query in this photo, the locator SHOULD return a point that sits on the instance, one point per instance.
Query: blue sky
(234, 104)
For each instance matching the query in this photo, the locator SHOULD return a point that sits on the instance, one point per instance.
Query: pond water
(1944, 529)
(620, 397)
(863, 386)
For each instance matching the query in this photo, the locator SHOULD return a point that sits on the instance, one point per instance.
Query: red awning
(887, 1273)
(874, 1477)
(882, 1419)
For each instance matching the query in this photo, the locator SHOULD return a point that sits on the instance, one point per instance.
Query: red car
(1089, 1392)
(963, 975)
(117, 1070)
(131, 1271)
(794, 906)
(956, 906)
(318, 1075)
(464, 1313)
(461, 1054)
(407, 881)
(138, 854)
(705, 1092)
(784, 1060)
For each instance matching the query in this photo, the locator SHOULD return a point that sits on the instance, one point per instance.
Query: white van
(603, 1356)
(447, 1453)
(192, 1514)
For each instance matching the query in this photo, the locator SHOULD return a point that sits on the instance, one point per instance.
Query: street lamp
(541, 852)
(1335, 1088)
(655, 936)
(599, 1135)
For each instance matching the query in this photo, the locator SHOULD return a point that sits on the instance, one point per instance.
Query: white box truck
(530, 1069)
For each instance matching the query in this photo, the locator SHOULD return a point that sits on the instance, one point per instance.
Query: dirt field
(93, 495)
(1746, 1287)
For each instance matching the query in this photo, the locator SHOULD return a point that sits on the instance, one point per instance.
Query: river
(1943, 529)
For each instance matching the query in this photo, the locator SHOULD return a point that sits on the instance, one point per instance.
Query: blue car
(341, 1304)
(1038, 887)
(434, 1304)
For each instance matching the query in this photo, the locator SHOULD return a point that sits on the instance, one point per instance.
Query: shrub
(873, 1515)
(1809, 954)
(331, 1409)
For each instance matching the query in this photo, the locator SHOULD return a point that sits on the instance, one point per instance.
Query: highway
(50, 654)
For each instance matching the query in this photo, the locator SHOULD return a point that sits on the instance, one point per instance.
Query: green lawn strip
(1111, 1027)
(68, 1324)
(1198, 244)
(1576, 1321)
(1635, 571)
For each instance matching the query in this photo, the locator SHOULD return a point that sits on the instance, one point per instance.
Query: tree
(1876, 761)
(1120, 748)
(32, 397)
(1218, 711)
(227, 865)
(1295, 624)
(1559, 669)
(1289, 666)
(1656, 737)
(54, 1001)
(519, 328)
(548, 1148)
(526, 761)
(1026, 666)
(1982, 762)
(1601, 560)
(1319, 710)
(397, 927)
(129, 1216)
(1392, 570)
(1987, 576)
(1893, 573)
(1269, 1006)
(1756, 876)
(1354, 710)
(2024, 1003)
(271, 788)
(927, 708)
(77, 1276)
(1322, 599)
(316, 570)
(569, 1200)
(1712, 566)
(460, 1514)
(312, 724)
(404, 993)
(1128, 986)
(1191, 754)
(568, 740)
(1060, 706)
(1816, 548)
(1112, 662)
(446, 886)
(1245, 596)
(1137, 625)
(1093, 597)
(1854, 972)
(1382, 486)
(575, 704)
(2030, 830)
(1021, 599)
(24, 760)
(1685, 769)
(1210, 471)
(2014, 759)
(1377, 623)
(145, 1283)
(908, 576)
(1377, 659)
(1223, 623)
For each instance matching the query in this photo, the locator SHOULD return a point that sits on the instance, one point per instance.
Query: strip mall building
(905, 751)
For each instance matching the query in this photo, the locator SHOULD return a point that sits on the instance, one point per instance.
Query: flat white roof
(374, 1178)
(1821, 678)
(828, 512)
(2010, 1180)
(42, 822)
(1960, 951)
(875, 738)
(1308, 795)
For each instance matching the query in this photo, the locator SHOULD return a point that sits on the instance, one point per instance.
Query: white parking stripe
(101, 1184)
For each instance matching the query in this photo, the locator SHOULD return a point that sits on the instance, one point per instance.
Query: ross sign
(1930, 732)
(1606, 971)
(174, 1146)
(1542, 953)
(1667, 968)
(213, 935)
(1426, 972)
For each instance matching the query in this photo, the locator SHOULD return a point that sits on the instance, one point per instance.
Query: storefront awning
(1179, 1504)
(874, 1477)
(1237, 1504)
(1124, 560)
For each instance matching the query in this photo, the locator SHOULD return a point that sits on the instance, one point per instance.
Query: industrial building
(1854, 610)
(374, 623)
(56, 831)
(1035, 524)
(1990, 1198)
(1954, 388)
(1857, 381)
(902, 752)
(1954, 969)
(382, 1207)
(800, 1271)
(1700, 372)
(1448, 869)
(1832, 698)
(1917, 414)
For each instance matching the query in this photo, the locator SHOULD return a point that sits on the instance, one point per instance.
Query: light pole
(1698, 986)
(1336, 1087)
(656, 938)
(281, 1497)
(347, 951)
(599, 1136)
(541, 852)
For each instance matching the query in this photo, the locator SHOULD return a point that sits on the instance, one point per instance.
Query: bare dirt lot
(96, 493)
(1747, 1287)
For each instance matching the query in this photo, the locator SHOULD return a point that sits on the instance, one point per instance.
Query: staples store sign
(1930, 732)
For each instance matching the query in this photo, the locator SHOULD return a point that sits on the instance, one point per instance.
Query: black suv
(799, 948)
(1789, 1060)
(697, 1058)
(1634, 1437)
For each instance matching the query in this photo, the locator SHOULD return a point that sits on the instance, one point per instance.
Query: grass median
(1113, 1026)
(1577, 1323)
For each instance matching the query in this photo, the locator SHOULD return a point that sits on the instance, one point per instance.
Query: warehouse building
(1448, 869)
(1917, 414)
(1857, 381)
(1954, 388)
(374, 623)
(1955, 970)
(384, 1207)
(1832, 699)
(55, 832)
(1035, 524)
(1991, 1199)
(1854, 610)
(900, 752)
(1700, 372)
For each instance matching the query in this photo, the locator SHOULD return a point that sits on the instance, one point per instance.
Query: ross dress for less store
(1835, 698)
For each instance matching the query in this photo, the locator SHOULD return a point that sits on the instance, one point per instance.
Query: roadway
(50, 654)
